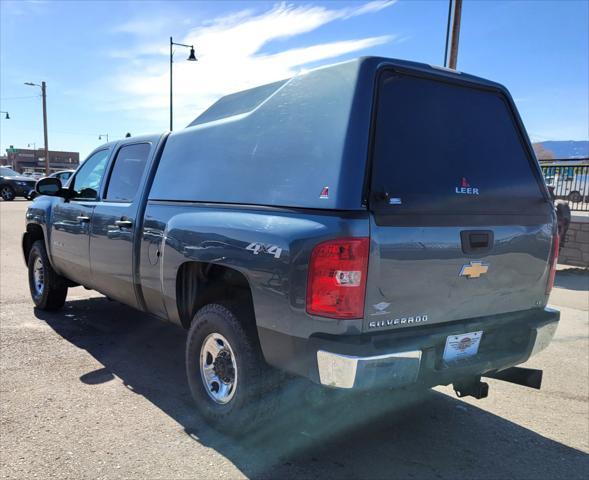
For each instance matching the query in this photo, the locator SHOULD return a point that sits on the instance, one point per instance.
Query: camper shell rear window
(445, 147)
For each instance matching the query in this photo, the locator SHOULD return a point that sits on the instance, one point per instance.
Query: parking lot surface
(98, 390)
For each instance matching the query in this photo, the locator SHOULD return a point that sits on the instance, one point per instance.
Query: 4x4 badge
(474, 269)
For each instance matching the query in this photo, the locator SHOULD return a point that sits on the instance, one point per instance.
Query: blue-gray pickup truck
(372, 224)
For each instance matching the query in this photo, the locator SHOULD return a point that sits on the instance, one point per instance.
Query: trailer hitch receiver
(472, 388)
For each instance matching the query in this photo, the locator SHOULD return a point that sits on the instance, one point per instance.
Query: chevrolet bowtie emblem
(474, 269)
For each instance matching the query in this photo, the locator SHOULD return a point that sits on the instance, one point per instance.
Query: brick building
(28, 160)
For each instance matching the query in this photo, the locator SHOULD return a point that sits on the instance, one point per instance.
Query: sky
(106, 63)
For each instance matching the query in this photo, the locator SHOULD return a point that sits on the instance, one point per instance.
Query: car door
(114, 223)
(71, 220)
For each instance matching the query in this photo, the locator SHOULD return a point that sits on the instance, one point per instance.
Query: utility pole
(44, 94)
(455, 34)
(171, 83)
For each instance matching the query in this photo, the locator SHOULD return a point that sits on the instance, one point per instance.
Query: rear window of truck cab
(442, 147)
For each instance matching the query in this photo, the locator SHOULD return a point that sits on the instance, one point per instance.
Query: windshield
(7, 172)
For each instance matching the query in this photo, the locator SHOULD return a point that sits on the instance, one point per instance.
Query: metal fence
(569, 181)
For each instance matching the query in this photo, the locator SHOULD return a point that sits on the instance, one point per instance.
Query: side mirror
(49, 186)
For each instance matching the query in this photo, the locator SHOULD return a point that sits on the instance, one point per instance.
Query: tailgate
(461, 225)
(414, 274)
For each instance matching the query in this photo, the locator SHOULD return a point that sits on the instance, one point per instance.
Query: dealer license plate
(462, 346)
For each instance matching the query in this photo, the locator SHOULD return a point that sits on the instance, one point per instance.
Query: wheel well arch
(201, 283)
(34, 232)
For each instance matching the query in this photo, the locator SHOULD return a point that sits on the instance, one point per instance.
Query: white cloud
(142, 26)
(231, 57)
(370, 7)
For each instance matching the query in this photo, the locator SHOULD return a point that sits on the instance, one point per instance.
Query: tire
(575, 197)
(48, 289)
(247, 392)
(7, 193)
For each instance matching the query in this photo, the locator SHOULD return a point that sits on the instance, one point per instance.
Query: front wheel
(7, 193)
(48, 289)
(228, 378)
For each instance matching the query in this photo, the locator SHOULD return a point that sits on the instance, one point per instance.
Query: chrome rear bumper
(399, 369)
(341, 371)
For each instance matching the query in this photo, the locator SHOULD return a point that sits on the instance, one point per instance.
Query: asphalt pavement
(98, 390)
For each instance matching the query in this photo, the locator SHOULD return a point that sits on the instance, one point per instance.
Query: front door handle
(83, 218)
(123, 223)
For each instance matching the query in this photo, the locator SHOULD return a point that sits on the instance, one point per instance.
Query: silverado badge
(474, 269)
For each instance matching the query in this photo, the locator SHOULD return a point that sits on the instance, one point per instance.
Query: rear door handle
(123, 223)
(83, 218)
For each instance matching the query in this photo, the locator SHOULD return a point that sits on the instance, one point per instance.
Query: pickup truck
(372, 224)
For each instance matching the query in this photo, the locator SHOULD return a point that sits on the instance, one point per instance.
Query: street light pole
(43, 87)
(7, 117)
(191, 58)
(100, 135)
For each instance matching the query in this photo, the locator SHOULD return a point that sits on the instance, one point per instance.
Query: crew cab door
(115, 223)
(70, 224)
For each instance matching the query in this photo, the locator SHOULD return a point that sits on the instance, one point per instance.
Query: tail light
(337, 278)
(553, 262)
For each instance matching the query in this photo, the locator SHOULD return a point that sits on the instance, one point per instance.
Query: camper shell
(286, 143)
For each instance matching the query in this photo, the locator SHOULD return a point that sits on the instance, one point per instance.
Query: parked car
(569, 180)
(13, 185)
(34, 175)
(63, 175)
(375, 223)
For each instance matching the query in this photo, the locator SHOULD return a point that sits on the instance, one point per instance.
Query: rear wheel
(228, 378)
(48, 289)
(7, 193)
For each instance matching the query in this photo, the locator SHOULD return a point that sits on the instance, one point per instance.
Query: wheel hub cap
(218, 369)
(39, 276)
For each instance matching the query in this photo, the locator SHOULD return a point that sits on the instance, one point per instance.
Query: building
(25, 160)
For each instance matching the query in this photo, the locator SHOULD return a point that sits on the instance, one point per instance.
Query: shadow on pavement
(426, 435)
(572, 279)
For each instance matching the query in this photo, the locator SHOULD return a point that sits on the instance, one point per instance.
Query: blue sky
(106, 63)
